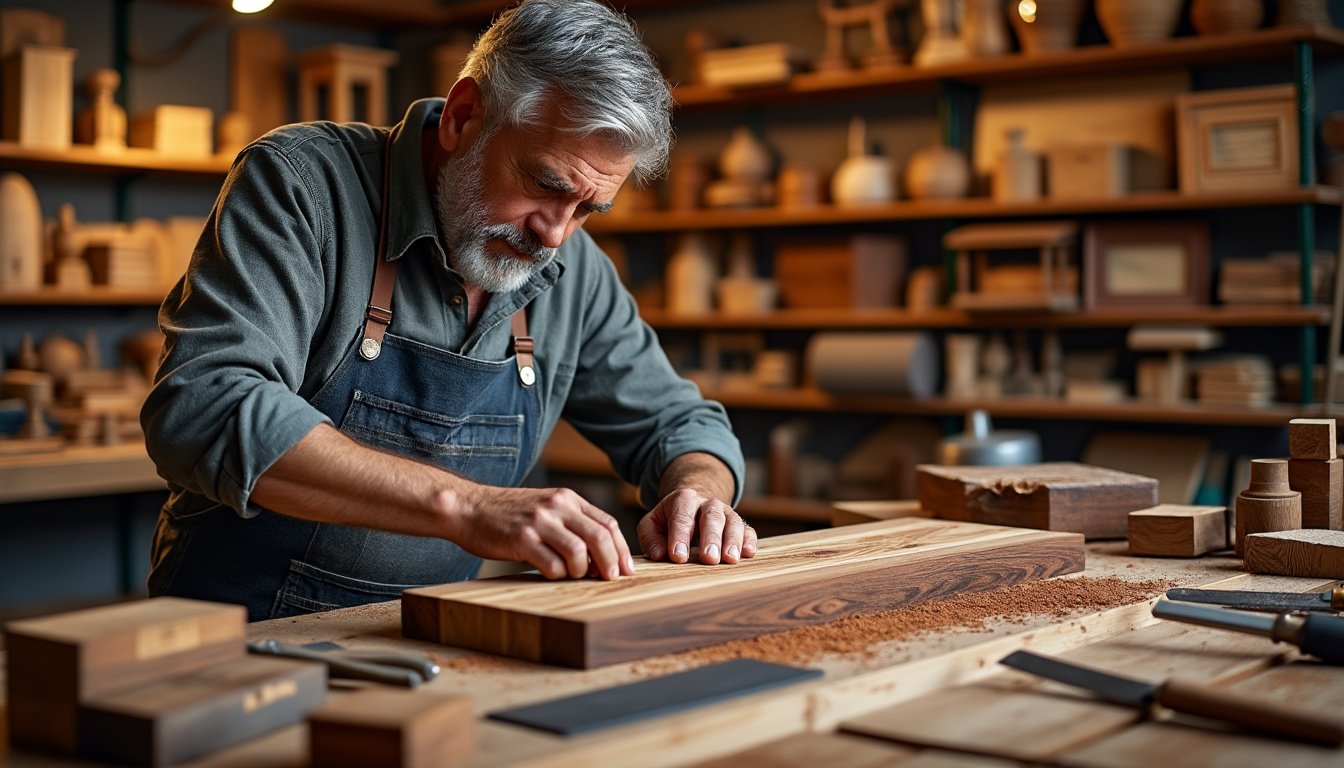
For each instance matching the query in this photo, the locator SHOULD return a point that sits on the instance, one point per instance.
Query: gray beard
(465, 228)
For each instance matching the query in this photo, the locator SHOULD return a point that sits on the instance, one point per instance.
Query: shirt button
(457, 301)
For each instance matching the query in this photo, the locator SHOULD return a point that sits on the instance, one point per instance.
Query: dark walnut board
(1061, 496)
(796, 580)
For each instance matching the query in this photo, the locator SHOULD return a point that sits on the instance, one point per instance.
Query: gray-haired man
(379, 329)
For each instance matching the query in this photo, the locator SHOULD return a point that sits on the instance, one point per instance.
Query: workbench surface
(854, 685)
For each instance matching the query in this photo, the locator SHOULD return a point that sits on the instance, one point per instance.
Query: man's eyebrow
(560, 184)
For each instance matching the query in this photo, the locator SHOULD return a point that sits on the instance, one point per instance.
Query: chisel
(1244, 711)
(1318, 635)
(1319, 602)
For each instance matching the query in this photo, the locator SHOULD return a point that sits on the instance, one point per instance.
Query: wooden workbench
(853, 686)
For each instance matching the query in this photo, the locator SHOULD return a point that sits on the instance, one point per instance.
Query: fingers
(681, 519)
(579, 538)
(748, 541)
(733, 532)
(713, 518)
(606, 543)
(652, 539)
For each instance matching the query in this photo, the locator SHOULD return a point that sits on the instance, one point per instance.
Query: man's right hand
(553, 529)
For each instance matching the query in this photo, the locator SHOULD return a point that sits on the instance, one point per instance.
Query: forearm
(703, 472)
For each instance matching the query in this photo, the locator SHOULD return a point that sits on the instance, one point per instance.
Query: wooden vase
(937, 172)
(1047, 26)
(1138, 22)
(1223, 17)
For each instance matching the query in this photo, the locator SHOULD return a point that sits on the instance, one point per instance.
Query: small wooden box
(38, 96)
(1177, 530)
(172, 129)
(861, 271)
(57, 662)
(180, 718)
(1101, 170)
(385, 728)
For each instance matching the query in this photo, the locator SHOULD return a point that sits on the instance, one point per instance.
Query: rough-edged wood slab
(1305, 552)
(795, 580)
(1063, 496)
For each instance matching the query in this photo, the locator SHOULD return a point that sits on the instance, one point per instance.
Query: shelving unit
(108, 297)
(83, 159)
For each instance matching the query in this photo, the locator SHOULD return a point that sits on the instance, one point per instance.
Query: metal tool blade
(1113, 688)
(1215, 617)
(1259, 601)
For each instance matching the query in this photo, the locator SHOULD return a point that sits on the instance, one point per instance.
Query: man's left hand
(686, 515)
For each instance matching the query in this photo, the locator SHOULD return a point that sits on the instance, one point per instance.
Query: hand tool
(1317, 635)
(1243, 711)
(391, 669)
(1276, 602)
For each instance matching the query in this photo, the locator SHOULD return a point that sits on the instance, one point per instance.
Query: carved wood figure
(839, 18)
(103, 124)
(1269, 503)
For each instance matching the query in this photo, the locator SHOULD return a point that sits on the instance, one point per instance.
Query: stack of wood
(751, 65)
(1275, 279)
(1315, 471)
(1238, 380)
(152, 682)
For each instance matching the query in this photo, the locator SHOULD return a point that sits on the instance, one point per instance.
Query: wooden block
(796, 580)
(1101, 170)
(1177, 530)
(1321, 484)
(384, 727)
(57, 662)
(183, 717)
(1062, 496)
(1305, 552)
(38, 97)
(807, 750)
(860, 271)
(173, 129)
(858, 512)
(1311, 439)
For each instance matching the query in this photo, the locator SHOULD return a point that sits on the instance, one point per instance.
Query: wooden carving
(796, 580)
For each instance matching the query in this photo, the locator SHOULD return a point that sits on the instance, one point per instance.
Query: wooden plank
(58, 662)
(384, 727)
(1178, 530)
(1061, 496)
(859, 512)
(73, 472)
(1321, 484)
(1307, 552)
(796, 580)
(187, 716)
(807, 750)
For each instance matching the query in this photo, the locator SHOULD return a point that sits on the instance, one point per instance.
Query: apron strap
(379, 313)
(523, 347)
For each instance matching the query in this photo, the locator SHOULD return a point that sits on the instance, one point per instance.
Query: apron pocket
(309, 588)
(483, 447)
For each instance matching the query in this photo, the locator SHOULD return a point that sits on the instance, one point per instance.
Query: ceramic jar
(984, 32)
(941, 44)
(691, 274)
(937, 172)
(1017, 177)
(745, 158)
(1138, 22)
(1221, 17)
(1046, 26)
(862, 178)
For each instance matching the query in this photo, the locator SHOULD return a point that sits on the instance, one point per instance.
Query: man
(379, 328)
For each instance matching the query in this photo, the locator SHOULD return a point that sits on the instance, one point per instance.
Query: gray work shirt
(275, 295)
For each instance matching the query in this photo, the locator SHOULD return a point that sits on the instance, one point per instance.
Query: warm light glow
(251, 6)
(1026, 9)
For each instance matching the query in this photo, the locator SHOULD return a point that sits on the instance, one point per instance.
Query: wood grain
(57, 662)
(807, 750)
(796, 580)
(383, 728)
(1060, 496)
(1177, 530)
(1321, 484)
(183, 717)
(1305, 552)
(1311, 439)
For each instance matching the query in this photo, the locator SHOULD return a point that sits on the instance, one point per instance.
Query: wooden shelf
(969, 208)
(1258, 316)
(813, 400)
(75, 472)
(104, 297)
(405, 14)
(785, 508)
(1082, 61)
(134, 160)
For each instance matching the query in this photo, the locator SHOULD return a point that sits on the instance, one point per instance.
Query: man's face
(506, 203)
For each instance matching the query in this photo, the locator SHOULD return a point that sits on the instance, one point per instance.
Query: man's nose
(550, 224)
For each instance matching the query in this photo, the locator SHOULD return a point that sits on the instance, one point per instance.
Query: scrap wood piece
(1062, 496)
(1177, 530)
(1303, 552)
(796, 580)
(806, 750)
(392, 727)
(1311, 439)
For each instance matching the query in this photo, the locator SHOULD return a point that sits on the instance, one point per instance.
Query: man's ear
(463, 115)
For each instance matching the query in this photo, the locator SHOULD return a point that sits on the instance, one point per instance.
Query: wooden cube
(1177, 530)
(38, 96)
(1321, 484)
(383, 728)
(172, 129)
(856, 272)
(180, 718)
(57, 662)
(1101, 170)
(1307, 552)
(1311, 439)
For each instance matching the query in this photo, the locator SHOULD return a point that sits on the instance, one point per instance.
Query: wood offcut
(1309, 552)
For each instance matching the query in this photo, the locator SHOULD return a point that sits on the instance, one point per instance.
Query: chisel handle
(1323, 637)
(1251, 714)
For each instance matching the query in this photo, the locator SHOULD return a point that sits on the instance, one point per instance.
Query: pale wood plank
(1309, 552)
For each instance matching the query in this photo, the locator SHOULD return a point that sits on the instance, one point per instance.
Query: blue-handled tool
(1316, 634)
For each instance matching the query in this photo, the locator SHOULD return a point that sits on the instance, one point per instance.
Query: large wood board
(1062, 496)
(795, 580)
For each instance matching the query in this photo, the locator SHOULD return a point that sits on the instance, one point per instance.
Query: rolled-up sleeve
(629, 401)
(224, 406)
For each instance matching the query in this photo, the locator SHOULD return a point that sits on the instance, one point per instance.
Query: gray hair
(590, 55)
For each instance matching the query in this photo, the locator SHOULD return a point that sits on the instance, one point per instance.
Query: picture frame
(1145, 264)
(1238, 140)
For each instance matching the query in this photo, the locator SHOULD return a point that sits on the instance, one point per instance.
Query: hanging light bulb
(251, 6)
(1026, 9)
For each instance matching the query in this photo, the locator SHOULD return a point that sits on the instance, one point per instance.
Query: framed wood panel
(1146, 264)
(1238, 140)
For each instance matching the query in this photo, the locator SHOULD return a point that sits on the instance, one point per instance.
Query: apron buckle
(369, 349)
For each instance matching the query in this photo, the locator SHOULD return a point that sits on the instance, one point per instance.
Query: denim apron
(476, 418)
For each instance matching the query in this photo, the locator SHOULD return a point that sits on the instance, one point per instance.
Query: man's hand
(692, 509)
